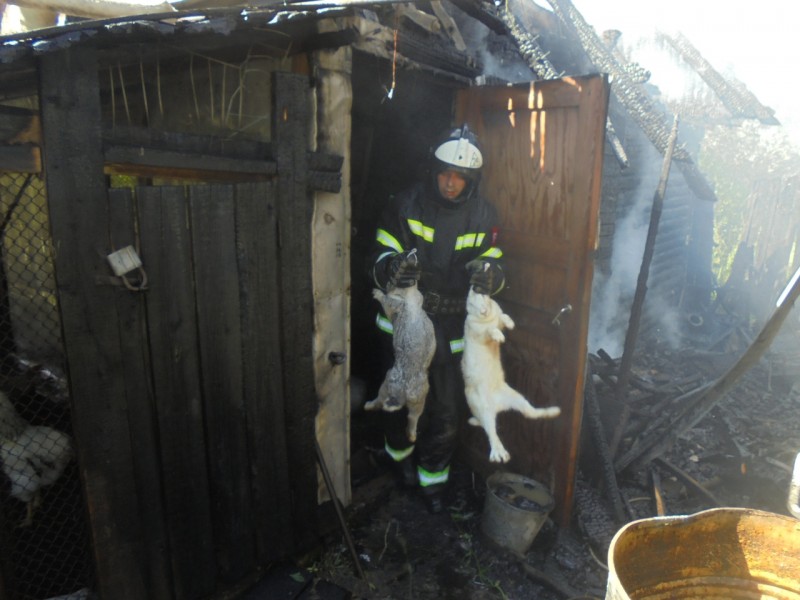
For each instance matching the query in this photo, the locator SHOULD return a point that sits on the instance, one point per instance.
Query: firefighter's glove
(483, 276)
(404, 269)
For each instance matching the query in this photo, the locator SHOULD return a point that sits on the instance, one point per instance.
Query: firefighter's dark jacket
(447, 236)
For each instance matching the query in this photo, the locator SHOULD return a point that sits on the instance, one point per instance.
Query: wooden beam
(420, 18)
(291, 117)
(449, 25)
(21, 158)
(78, 204)
(168, 173)
(477, 10)
(206, 158)
(325, 172)
(131, 158)
(187, 143)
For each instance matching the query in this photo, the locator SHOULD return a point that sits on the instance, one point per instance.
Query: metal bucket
(727, 553)
(515, 509)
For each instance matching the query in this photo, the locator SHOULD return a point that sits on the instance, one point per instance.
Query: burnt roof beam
(628, 91)
(741, 103)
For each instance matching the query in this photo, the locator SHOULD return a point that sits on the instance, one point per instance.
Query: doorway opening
(391, 142)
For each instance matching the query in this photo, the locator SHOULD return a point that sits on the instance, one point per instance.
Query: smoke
(513, 70)
(498, 62)
(612, 294)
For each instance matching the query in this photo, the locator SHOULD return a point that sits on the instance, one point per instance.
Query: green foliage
(482, 573)
(736, 159)
(123, 181)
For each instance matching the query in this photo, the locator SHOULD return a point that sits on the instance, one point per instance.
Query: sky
(756, 42)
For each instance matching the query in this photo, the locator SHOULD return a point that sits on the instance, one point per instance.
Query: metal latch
(565, 310)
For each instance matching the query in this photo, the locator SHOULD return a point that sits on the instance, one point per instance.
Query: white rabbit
(485, 387)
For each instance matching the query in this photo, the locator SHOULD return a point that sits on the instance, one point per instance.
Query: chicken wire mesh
(44, 541)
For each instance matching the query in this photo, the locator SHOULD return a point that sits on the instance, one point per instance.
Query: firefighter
(454, 231)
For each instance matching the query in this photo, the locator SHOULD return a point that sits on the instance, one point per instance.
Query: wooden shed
(242, 157)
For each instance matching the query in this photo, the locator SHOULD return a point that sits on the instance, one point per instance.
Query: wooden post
(623, 375)
(291, 121)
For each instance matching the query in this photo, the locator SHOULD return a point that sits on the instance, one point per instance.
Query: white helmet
(459, 151)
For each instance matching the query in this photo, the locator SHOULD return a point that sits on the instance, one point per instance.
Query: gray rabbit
(414, 343)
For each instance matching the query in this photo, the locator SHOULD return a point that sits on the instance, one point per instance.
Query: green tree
(739, 160)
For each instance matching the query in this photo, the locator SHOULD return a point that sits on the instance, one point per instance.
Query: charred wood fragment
(437, 55)
(663, 417)
(607, 359)
(700, 406)
(478, 11)
(688, 480)
(658, 494)
(599, 437)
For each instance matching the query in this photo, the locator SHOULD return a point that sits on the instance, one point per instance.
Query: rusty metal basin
(730, 553)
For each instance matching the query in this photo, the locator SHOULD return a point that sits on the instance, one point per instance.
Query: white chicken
(33, 456)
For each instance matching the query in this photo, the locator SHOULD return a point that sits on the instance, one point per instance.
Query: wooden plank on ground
(212, 211)
(257, 245)
(291, 118)
(140, 401)
(172, 330)
(76, 192)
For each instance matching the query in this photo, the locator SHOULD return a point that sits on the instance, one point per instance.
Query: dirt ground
(406, 552)
(739, 455)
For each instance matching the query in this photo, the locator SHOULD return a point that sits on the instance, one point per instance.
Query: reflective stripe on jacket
(447, 236)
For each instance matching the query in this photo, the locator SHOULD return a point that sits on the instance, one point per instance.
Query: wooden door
(543, 149)
(193, 401)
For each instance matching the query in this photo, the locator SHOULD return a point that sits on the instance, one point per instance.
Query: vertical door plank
(141, 409)
(212, 211)
(291, 117)
(166, 252)
(76, 190)
(257, 247)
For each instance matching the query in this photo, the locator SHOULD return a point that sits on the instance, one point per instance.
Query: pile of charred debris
(708, 422)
